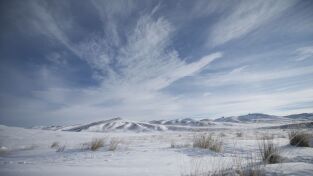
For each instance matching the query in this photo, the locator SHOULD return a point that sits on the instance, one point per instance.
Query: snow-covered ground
(28, 152)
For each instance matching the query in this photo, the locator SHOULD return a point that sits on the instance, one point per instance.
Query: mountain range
(119, 124)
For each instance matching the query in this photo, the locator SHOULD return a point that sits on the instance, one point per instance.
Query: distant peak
(116, 118)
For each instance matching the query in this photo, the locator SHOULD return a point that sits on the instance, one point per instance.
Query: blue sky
(65, 62)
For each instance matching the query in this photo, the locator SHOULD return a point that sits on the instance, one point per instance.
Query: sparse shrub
(60, 148)
(244, 171)
(239, 134)
(208, 141)
(269, 152)
(96, 143)
(251, 171)
(55, 145)
(252, 168)
(113, 144)
(299, 138)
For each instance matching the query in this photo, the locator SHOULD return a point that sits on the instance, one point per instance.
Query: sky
(77, 61)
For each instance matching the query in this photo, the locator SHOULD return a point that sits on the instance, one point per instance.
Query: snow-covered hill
(118, 124)
(184, 122)
(258, 117)
(303, 125)
(303, 116)
(55, 127)
(52, 127)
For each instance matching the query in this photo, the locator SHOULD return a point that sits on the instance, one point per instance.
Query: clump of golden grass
(208, 141)
(96, 143)
(55, 145)
(269, 152)
(299, 138)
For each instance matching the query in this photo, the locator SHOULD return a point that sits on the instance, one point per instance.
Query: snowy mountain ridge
(259, 117)
(118, 124)
(183, 124)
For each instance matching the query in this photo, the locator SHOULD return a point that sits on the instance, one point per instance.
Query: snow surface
(28, 152)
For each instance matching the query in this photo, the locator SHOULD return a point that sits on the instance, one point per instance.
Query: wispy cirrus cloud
(304, 53)
(146, 49)
(245, 17)
(240, 76)
(43, 22)
(145, 58)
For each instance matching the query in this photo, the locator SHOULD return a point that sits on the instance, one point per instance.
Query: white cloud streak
(240, 76)
(246, 17)
(304, 53)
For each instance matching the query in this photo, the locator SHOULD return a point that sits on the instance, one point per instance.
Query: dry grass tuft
(231, 172)
(251, 167)
(270, 153)
(239, 134)
(208, 141)
(55, 145)
(238, 168)
(61, 148)
(299, 138)
(96, 143)
(93, 145)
